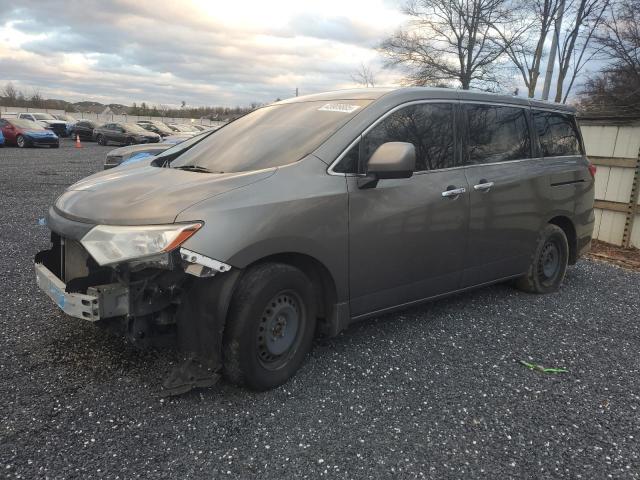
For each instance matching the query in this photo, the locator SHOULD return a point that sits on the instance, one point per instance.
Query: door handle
(483, 186)
(454, 192)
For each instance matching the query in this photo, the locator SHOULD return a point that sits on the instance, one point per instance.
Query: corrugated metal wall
(615, 149)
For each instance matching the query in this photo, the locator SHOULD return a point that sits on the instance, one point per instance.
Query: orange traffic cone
(78, 144)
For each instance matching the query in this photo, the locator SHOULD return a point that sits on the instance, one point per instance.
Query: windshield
(162, 127)
(132, 127)
(184, 128)
(178, 148)
(43, 116)
(66, 118)
(270, 136)
(22, 123)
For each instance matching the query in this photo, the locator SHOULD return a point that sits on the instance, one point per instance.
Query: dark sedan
(123, 134)
(156, 126)
(84, 128)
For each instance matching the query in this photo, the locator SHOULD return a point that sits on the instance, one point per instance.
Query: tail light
(592, 170)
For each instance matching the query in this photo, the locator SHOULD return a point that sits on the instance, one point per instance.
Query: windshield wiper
(195, 168)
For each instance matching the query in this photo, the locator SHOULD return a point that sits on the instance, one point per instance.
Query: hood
(146, 195)
(39, 133)
(132, 149)
(54, 122)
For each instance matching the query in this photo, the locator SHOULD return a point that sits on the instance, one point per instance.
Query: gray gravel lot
(431, 392)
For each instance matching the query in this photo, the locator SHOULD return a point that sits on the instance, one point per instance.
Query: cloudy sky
(205, 52)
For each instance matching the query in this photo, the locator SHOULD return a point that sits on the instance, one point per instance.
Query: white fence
(614, 147)
(110, 117)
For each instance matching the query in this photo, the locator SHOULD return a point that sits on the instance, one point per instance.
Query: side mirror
(390, 160)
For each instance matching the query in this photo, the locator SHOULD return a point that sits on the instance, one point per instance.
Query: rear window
(497, 134)
(271, 136)
(558, 134)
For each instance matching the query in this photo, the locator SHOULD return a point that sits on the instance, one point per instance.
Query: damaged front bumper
(138, 288)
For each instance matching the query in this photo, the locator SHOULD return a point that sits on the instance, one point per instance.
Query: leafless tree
(452, 42)
(525, 38)
(10, 94)
(574, 50)
(618, 84)
(364, 76)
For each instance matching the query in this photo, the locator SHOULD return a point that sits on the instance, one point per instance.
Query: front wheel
(270, 326)
(20, 141)
(548, 263)
(100, 139)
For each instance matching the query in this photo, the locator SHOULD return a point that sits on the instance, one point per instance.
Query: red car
(25, 133)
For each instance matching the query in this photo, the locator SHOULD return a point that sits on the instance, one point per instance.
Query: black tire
(129, 141)
(20, 141)
(57, 145)
(270, 326)
(101, 140)
(548, 262)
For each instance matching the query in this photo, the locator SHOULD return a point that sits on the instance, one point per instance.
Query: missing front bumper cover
(101, 301)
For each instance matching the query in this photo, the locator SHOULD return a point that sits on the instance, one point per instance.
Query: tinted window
(497, 134)
(558, 134)
(428, 126)
(271, 136)
(349, 162)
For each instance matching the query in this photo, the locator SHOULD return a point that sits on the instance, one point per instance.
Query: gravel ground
(434, 392)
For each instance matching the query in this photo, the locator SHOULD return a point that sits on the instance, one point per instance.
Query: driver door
(406, 240)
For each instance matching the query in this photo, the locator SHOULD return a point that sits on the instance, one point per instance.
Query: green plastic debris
(540, 368)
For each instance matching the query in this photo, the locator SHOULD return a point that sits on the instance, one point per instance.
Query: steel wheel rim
(279, 329)
(20, 141)
(549, 264)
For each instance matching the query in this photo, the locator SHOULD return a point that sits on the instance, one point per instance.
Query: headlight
(109, 244)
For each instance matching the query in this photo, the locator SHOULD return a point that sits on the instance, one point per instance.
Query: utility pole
(296, 91)
(552, 54)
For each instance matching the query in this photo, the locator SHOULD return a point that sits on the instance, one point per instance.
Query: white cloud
(203, 52)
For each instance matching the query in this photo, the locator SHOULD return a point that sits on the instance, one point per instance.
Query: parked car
(46, 120)
(156, 126)
(312, 213)
(121, 155)
(84, 128)
(1, 138)
(178, 127)
(25, 133)
(123, 134)
(70, 120)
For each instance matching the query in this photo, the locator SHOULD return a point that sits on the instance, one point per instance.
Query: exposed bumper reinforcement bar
(102, 301)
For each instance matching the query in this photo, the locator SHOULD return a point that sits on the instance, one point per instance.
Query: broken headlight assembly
(113, 244)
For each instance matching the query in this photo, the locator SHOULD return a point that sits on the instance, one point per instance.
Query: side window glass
(349, 163)
(497, 134)
(428, 126)
(558, 134)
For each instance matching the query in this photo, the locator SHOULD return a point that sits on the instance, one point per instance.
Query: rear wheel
(130, 141)
(270, 326)
(20, 141)
(548, 263)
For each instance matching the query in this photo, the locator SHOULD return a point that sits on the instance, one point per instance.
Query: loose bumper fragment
(202, 266)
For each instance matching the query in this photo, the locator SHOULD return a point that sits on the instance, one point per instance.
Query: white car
(48, 121)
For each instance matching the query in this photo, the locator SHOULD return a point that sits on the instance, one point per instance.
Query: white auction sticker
(339, 107)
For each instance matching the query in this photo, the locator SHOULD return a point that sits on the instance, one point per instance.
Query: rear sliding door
(507, 188)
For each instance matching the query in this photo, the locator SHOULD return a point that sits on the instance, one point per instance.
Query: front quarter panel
(300, 209)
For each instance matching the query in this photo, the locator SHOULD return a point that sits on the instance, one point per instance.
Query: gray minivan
(311, 213)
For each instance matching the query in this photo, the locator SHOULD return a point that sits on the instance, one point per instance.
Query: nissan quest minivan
(311, 213)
